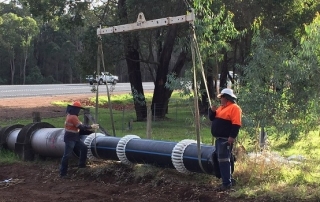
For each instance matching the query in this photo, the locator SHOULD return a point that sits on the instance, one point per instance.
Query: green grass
(8, 156)
(179, 118)
(256, 178)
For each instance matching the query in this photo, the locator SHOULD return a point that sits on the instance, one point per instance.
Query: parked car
(103, 78)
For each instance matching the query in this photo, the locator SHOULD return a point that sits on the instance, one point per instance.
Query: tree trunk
(224, 72)
(204, 102)
(133, 64)
(24, 65)
(131, 45)
(12, 71)
(12, 68)
(162, 94)
(177, 70)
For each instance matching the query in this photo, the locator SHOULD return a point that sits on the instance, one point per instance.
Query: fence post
(149, 122)
(262, 138)
(130, 124)
(122, 118)
(86, 120)
(176, 110)
(36, 117)
(154, 112)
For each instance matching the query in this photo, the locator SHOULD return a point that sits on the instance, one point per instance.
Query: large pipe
(45, 140)
(42, 139)
(48, 142)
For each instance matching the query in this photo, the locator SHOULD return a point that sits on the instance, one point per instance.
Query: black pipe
(190, 159)
(152, 152)
(158, 153)
(103, 147)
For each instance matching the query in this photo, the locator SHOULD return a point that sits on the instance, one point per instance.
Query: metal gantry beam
(143, 24)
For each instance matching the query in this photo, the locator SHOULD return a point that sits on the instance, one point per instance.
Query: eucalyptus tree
(216, 33)
(156, 49)
(28, 30)
(24, 29)
(104, 15)
(3, 78)
(11, 42)
(58, 46)
(281, 91)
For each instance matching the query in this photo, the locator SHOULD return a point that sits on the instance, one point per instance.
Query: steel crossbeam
(143, 24)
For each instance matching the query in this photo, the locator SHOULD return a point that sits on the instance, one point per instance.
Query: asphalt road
(11, 91)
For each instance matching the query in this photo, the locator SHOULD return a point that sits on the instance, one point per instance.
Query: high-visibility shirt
(71, 125)
(226, 120)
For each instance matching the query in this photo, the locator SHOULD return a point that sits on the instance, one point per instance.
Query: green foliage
(267, 172)
(7, 156)
(184, 85)
(35, 76)
(47, 9)
(278, 90)
(310, 48)
(215, 28)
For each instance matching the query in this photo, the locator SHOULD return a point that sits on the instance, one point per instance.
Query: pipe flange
(177, 155)
(121, 148)
(5, 132)
(25, 134)
(23, 144)
(88, 141)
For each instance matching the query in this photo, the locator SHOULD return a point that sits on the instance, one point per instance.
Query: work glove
(95, 126)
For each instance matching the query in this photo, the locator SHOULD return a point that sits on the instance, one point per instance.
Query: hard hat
(227, 91)
(77, 104)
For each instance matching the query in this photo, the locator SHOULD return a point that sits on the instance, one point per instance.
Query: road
(11, 91)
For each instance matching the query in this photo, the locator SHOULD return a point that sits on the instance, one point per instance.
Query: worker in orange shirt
(226, 122)
(72, 140)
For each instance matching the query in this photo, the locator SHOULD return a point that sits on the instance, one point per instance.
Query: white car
(103, 78)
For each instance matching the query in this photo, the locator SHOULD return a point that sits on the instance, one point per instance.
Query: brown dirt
(39, 181)
(14, 108)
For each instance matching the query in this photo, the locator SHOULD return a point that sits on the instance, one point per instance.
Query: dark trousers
(70, 146)
(224, 150)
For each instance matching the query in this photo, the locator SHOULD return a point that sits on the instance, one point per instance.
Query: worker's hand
(95, 126)
(230, 140)
(213, 108)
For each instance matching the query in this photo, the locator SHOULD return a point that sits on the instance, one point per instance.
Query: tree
(10, 32)
(159, 50)
(216, 33)
(281, 90)
(28, 30)
(131, 46)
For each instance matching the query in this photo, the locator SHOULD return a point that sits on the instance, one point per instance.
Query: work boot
(233, 182)
(82, 166)
(222, 188)
(65, 177)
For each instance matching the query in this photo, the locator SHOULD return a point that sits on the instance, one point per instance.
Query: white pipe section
(12, 138)
(48, 142)
(121, 148)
